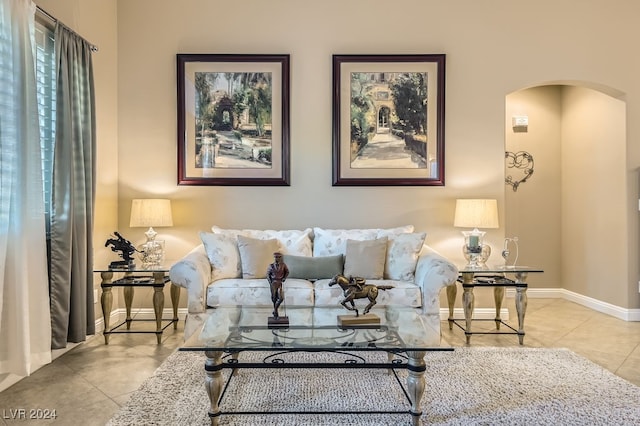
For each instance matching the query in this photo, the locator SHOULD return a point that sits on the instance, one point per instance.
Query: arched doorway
(384, 114)
(571, 212)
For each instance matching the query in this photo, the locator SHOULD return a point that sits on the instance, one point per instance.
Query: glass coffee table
(403, 334)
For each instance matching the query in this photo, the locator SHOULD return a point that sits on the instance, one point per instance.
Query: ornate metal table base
(482, 277)
(131, 280)
(216, 386)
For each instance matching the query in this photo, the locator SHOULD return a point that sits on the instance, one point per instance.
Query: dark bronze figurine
(277, 273)
(126, 249)
(356, 288)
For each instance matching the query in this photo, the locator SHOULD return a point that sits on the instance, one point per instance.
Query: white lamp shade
(151, 212)
(476, 213)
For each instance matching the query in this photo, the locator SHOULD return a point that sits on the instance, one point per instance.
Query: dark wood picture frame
(378, 138)
(233, 119)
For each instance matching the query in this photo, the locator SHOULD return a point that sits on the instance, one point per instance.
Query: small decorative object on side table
(506, 252)
(357, 288)
(495, 277)
(126, 249)
(277, 273)
(156, 277)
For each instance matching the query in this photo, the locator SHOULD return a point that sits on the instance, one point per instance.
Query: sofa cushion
(402, 256)
(403, 293)
(385, 232)
(256, 256)
(327, 242)
(314, 268)
(292, 241)
(256, 292)
(223, 254)
(365, 259)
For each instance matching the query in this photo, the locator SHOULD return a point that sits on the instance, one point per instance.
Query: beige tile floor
(88, 384)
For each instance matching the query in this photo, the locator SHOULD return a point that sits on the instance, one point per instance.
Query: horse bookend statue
(356, 288)
(126, 249)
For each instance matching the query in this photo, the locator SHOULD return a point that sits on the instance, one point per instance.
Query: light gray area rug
(481, 386)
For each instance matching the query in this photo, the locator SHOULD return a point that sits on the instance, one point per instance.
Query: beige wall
(593, 190)
(533, 212)
(493, 48)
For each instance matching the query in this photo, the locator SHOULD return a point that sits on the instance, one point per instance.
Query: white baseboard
(119, 315)
(624, 314)
(551, 293)
(539, 293)
(478, 313)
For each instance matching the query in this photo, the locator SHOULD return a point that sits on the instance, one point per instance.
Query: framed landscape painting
(388, 120)
(233, 119)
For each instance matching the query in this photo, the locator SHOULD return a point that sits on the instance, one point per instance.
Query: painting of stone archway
(388, 119)
(233, 115)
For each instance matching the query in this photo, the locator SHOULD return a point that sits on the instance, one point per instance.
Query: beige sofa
(229, 268)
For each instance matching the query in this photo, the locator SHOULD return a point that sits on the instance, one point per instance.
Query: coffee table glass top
(237, 328)
(497, 269)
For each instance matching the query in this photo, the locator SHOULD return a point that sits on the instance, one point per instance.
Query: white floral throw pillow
(402, 255)
(222, 251)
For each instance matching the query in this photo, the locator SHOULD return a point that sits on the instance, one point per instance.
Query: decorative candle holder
(474, 250)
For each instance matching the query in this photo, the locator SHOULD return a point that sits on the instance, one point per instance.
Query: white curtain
(25, 324)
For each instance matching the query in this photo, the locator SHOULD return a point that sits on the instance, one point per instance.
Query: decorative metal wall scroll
(521, 160)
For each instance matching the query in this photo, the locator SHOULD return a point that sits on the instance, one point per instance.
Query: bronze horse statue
(124, 246)
(356, 288)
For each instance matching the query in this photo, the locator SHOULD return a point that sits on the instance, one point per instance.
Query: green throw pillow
(313, 268)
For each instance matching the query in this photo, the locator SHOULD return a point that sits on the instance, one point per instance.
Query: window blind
(45, 81)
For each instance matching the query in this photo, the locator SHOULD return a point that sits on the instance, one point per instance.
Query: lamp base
(152, 253)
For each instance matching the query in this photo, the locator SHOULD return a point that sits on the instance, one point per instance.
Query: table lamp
(151, 212)
(476, 213)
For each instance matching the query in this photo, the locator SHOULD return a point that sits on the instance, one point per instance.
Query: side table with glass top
(156, 277)
(496, 277)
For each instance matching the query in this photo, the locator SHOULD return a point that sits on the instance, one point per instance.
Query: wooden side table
(495, 277)
(156, 278)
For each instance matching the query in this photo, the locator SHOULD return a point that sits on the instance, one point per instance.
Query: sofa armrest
(193, 272)
(433, 273)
